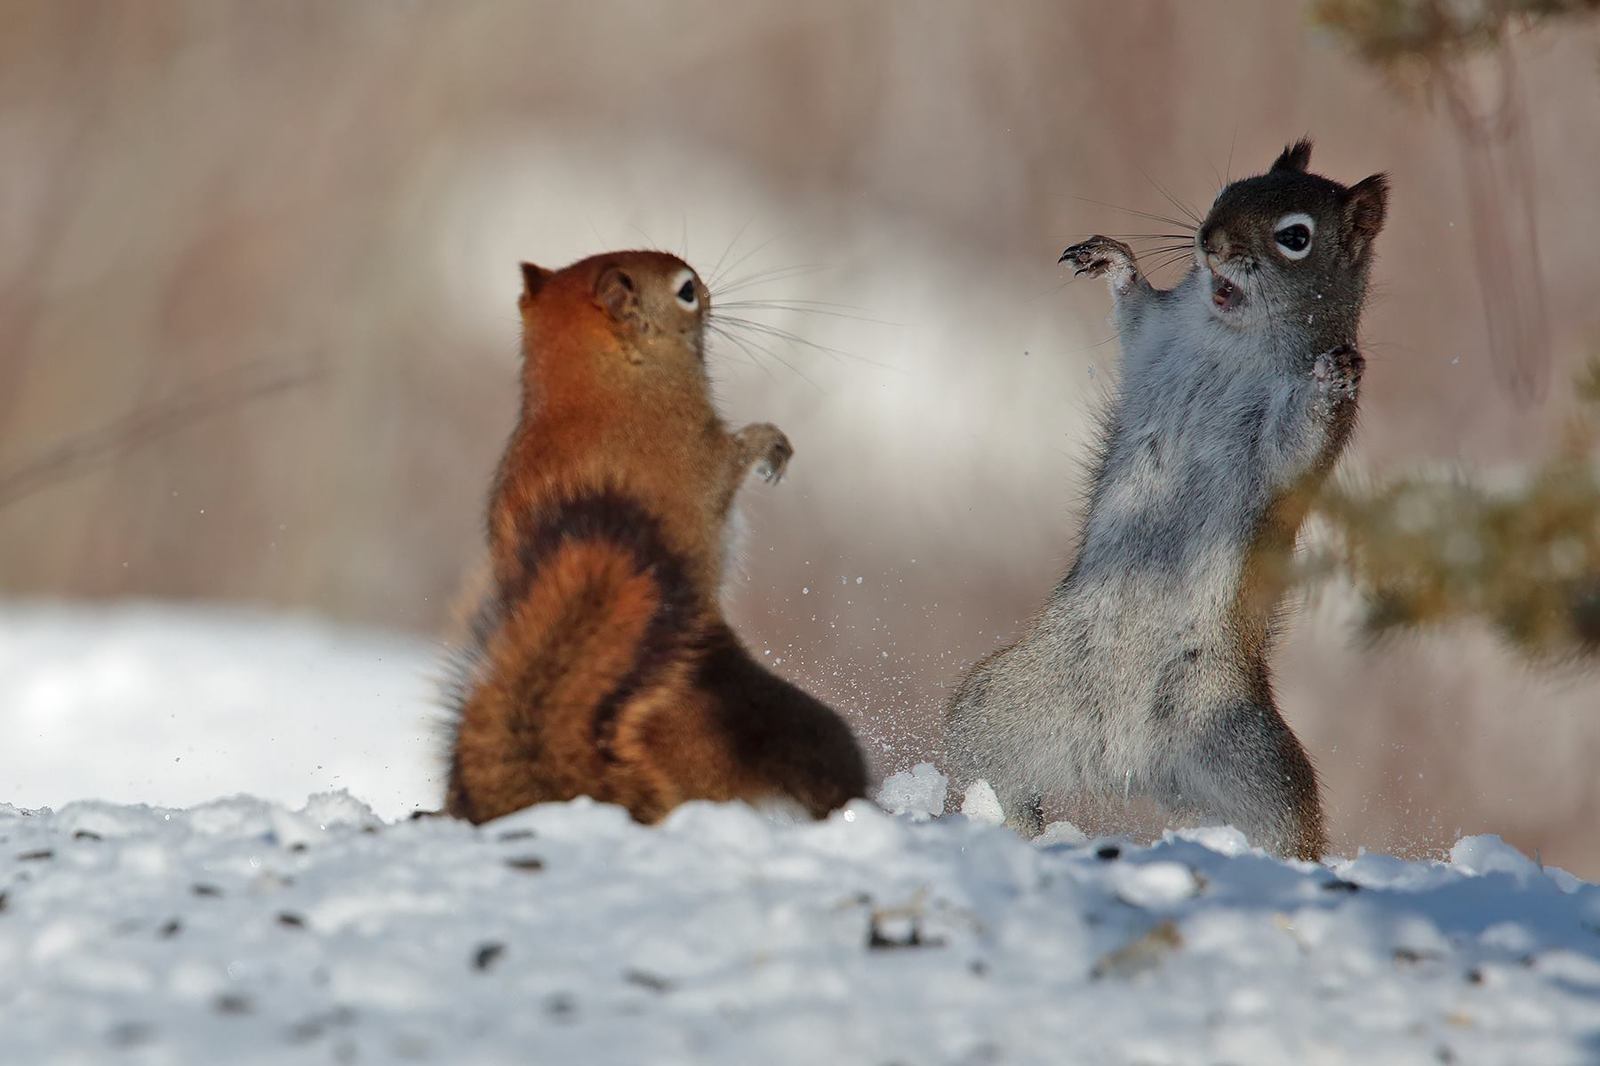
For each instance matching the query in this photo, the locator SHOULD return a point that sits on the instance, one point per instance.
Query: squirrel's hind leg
(1024, 810)
(1246, 768)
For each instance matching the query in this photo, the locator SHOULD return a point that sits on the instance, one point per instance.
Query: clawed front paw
(766, 445)
(1097, 255)
(1337, 371)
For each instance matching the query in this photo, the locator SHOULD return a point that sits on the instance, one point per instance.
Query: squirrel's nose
(1214, 241)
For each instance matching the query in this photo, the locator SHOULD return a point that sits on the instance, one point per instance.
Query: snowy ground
(246, 931)
(242, 932)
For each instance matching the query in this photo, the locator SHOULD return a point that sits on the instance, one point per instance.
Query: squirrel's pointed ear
(533, 279)
(1295, 157)
(1366, 204)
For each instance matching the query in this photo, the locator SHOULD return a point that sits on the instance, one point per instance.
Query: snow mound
(242, 931)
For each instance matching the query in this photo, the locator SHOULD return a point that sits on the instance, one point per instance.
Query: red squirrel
(600, 663)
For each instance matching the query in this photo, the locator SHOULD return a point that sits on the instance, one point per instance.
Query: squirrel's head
(634, 316)
(1290, 243)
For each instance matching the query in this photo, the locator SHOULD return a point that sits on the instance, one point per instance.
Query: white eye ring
(683, 281)
(1289, 221)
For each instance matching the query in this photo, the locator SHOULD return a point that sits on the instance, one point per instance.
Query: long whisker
(1183, 208)
(1170, 260)
(749, 356)
(797, 307)
(1180, 223)
(745, 258)
(718, 275)
(737, 235)
(794, 338)
(1167, 248)
(780, 333)
(796, 370)
(781, 274)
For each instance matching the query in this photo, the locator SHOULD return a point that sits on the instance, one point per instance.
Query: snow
(156, 703)
(274, 928)
(244, 931)
(918, 792)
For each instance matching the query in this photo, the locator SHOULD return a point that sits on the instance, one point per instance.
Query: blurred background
(268, 253)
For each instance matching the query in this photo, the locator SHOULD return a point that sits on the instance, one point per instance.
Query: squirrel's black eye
(684, 289)
(1293, 234)
(1295, 238)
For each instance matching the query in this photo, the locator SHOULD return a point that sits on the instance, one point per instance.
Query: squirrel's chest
(1195, 418)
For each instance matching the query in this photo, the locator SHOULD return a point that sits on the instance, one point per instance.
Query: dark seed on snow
(878, 941)
(529, 864)
(309, 1028)
(486, 955)
(644, 979)
(85, 834)
(35, 856)
(290, 920)
(303, 1032)
(170, 929)
(1107, 852)
(129, 1034)
(232, 1003)
(205, 890)
(516, 834)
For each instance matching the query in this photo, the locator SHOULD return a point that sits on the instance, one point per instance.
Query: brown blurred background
(187, 189)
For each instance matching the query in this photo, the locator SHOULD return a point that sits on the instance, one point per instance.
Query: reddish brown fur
(601, 663)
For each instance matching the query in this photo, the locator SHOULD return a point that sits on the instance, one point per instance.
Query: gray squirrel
(1147, 672)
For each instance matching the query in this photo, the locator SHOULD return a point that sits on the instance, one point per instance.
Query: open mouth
(1225, 295)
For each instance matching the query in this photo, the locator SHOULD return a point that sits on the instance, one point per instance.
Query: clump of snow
(1223, 839)
(1061, 833)
(918, 792)
(980, 804)
(243, 931)
(1490, 854)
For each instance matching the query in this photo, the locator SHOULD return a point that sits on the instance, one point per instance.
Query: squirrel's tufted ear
(533, 279)
(616, 291)
(1366, 203)
(1295, 157)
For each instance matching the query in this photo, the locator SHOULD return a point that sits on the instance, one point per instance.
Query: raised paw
(1097, 255)
(766, 445)
(1102, 256)
(1337, 371)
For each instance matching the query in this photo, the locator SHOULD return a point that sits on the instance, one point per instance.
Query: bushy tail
(596, 606)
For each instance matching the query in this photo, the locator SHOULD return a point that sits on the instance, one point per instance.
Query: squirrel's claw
(1100, 255)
